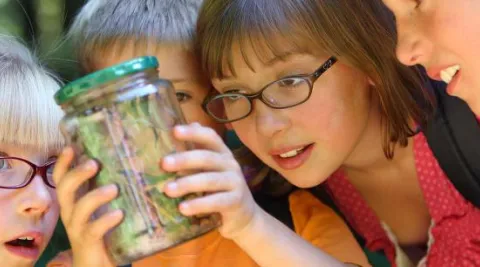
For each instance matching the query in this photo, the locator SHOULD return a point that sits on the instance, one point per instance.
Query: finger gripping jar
(122, 116)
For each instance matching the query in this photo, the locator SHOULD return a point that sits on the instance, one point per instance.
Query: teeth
(448, 73)
(292, 153)
(29, 238)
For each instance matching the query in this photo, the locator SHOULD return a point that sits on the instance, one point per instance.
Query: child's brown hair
(358, 32)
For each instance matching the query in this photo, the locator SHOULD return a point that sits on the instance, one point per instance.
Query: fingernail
(169, 160)
(116, 213)
(90, 164)
(110, 188)
(172, 186)
(85, 166)
(181, 129)
(184, 208)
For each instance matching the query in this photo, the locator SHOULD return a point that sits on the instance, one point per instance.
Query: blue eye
(50, 169)
(3, 164)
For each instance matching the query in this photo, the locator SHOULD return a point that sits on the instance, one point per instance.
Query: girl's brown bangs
(268, 33)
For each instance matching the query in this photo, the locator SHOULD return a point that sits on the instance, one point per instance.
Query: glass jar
(122, 116)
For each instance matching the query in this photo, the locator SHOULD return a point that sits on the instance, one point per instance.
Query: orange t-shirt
(312, 220)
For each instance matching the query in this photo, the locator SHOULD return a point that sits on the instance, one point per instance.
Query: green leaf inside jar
(129, 139)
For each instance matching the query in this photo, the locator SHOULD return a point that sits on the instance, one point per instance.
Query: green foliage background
(42, 24)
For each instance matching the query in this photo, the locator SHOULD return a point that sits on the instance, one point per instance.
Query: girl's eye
(50, 169)
(235, 91)
(233, 98)
(6, 164)
(3, 164)
(183, 97)
(291, 82)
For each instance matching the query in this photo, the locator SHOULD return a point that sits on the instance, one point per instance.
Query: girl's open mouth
(25, 247)
(295, 158)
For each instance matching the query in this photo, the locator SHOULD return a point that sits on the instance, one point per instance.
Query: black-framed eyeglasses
(284, 93)
(18, 173)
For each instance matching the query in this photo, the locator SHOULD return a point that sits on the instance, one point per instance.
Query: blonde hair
(103, 25)
(29, 115)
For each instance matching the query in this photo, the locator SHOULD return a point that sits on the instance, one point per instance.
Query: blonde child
(29, 143)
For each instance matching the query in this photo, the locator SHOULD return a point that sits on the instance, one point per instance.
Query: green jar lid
(100, 77)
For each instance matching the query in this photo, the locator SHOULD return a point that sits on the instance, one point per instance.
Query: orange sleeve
(322, 227)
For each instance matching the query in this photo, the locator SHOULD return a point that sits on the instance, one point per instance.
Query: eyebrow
(272, 61)
(281, 57)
